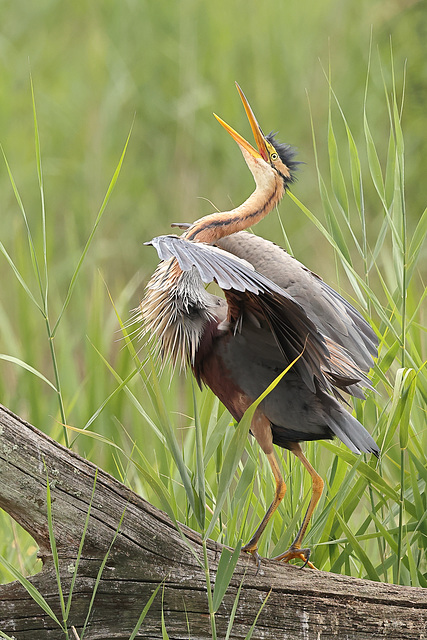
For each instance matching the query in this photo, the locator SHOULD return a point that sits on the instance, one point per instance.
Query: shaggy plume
(174, 311)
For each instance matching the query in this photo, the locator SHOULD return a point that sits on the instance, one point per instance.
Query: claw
(254, 553)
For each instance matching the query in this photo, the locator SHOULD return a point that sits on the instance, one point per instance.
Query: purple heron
(274, 310)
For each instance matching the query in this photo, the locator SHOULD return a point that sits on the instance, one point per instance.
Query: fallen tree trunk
(148, 549)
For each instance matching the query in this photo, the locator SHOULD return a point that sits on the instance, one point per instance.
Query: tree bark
(149, 550)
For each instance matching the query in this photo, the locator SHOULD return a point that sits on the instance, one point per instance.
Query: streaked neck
(255, 208)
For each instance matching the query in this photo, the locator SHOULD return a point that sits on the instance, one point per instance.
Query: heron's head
(270, 157)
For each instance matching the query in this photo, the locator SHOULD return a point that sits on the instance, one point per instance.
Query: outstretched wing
(212, 263)
(248, 291)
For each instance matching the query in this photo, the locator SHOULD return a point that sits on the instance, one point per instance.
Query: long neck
(255, 208)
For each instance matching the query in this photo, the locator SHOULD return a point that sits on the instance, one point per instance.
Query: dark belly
(218, 378)
(238, 375)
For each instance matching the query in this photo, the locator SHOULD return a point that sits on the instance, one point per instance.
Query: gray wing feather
(331, 313)
(360, 331)
(212, 263)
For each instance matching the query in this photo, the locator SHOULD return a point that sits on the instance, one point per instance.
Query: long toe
(293, 553)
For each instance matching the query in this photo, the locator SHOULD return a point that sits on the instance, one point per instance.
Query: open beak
(256, 130)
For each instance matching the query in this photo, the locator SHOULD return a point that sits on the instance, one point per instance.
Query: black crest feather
(286, 153)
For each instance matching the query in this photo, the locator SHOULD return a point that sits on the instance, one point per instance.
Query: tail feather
(351, 432)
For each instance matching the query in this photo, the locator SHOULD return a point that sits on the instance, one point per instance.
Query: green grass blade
(123, 385)
(373, 162)
(99, 575)
(364, 469)
(418, 239)
(43, 288)
(412, 566)
(147, 472)
(53, 547)
(390, 170)
(314, 220)
(200, 498)
(361, 554)
(79, 552)
(356, 175)
(144, 613)
(407, 401)
(337, 176)
(418, 499)
(20, 278)
(27, 226)
(29, 368)
(357, 282)
(33, 592)
(158, 488)
(403, 394)
(379, 243)
(233, 611)
(153, 387)
(396, 118)
(252, 629)
(332, 219)
(355, 166)
(342, 250)
(209, 591)
(231, 460)
(92, 233)
(335, 230)
(216, 436)
(384, 532)
(138, 369)
(96, 436)
(164, 632)
(227, 564)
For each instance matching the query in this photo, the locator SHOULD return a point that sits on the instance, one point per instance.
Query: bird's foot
(296, 553)
(253, 550)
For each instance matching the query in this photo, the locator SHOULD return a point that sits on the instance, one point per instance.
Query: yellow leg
(295, 550)
(252, 545)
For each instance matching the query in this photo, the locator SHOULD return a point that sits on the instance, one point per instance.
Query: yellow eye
(274, 156)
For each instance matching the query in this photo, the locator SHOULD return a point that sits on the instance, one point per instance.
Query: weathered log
(148, 550)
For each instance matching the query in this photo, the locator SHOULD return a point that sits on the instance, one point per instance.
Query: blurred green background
(98, 67)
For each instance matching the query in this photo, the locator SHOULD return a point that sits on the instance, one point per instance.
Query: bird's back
(335, 318)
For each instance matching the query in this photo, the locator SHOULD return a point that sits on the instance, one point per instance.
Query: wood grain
(306, 605)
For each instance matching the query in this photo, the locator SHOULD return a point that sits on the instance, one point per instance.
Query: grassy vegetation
(357, 217)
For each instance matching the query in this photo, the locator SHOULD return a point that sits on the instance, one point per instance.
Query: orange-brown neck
(255, 208)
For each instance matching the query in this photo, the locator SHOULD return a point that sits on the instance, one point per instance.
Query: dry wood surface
(303, 604)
